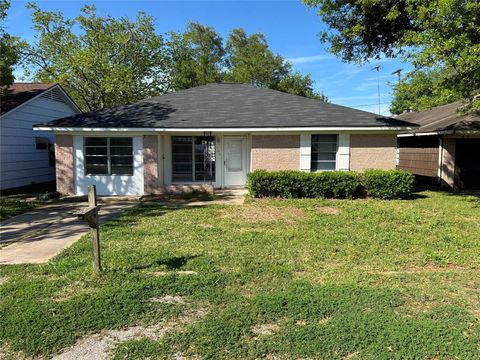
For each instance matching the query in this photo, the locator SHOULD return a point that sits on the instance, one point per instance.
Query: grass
(17, 201)
(326, 279)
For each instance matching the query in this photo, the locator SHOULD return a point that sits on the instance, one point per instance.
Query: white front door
(235, 169)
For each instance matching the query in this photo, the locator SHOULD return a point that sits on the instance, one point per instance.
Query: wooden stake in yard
(90, 215)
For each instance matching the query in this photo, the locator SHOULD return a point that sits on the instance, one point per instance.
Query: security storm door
(235, 169)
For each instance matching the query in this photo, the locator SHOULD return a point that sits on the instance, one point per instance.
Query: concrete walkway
(37, 236)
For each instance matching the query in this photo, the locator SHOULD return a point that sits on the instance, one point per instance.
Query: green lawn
(17, 201)
(325, 279)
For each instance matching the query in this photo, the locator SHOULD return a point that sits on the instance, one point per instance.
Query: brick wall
(275, 152)
(371, 151)
(150, 164)
(64, 171)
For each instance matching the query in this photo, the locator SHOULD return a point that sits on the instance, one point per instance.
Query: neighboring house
(27, 156)
(445, 148)
(211, 136)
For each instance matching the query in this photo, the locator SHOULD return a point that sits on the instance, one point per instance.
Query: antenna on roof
(378, 67)
(398, 72)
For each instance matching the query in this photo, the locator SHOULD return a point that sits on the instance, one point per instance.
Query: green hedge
(385, 184)
(388, 184)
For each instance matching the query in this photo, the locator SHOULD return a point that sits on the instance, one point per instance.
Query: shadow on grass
(172, 263)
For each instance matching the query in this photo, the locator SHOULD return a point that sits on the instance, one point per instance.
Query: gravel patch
(99, 346)
(169, 299)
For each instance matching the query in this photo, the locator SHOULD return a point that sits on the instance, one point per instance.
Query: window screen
(193, 158)
(108, 156)
(324, 152)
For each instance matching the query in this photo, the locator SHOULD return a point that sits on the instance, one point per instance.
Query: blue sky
(290, 27)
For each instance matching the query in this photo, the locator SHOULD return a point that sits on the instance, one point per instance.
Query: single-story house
(211, 136)
(444, 148)
(27, 156)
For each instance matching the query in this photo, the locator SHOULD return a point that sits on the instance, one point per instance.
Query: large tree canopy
(428, 33)
(103, 61)
(197, 56)
(422, 90)
(251, 61)
(108, 61)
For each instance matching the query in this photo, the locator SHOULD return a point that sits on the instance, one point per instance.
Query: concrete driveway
(37, 236)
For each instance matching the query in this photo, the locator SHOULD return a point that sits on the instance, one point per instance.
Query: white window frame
(334, 152)
(109, 156)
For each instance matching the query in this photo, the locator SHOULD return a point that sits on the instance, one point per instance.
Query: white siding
(20, 162)
(305, 152)
(343, 152)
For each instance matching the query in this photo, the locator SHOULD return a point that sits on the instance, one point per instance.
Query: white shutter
(305, 152)
(343, 152)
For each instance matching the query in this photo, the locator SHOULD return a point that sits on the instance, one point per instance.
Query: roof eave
(251, 129)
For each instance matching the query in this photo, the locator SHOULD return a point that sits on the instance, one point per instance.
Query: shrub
(384, 184)
(388, 184)
(297, 184)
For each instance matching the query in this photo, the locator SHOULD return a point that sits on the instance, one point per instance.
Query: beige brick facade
(371, 151)
(64, 164)
(275, 152)
(150, 164)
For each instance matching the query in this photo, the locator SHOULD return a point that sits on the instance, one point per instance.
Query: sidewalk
(37, 236)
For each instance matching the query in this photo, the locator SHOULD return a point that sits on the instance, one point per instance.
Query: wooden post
(94, 229)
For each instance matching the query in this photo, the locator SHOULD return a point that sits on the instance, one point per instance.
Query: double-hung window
(193, 158)
(324, 152)
(108, 156)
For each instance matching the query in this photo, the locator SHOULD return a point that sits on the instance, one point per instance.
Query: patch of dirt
(99, 346)
(328, 210)
(413, 269)
(300, 322)
(324, 320)
(255, 213)
(3, 280)
(180, 272)
(71, 290)
(352, 355)
(265, 329)
(169, 299)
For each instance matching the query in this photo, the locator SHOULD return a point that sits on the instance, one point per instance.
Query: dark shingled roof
(443, 118)
(18, 93)
(226, 106)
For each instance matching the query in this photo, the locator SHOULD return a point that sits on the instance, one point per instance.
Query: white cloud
(309, 59)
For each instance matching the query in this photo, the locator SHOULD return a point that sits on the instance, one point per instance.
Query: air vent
(54, 95)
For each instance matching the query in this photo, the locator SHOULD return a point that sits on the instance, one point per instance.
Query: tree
(429, 33)
(196, 56)
(422, 90)
(10, 48)
(251, 61)
(302, 85)
(109, 61)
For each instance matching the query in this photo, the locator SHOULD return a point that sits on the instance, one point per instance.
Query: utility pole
(378, 67)
(398, 72)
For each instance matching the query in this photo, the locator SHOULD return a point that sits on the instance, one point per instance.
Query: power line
(364, 105)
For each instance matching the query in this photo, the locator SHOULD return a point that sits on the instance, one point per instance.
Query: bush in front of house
(297, 184)
(384, 184)
(388, 184)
